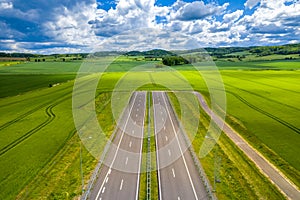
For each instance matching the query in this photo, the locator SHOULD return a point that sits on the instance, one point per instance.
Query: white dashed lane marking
(121, 185)
(173, 172)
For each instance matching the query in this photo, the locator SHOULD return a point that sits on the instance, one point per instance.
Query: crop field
(31, 134)
(270, 113)
(41, 68)
(39, 147)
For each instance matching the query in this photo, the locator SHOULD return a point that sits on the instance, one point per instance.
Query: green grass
(62, 177)
(42, 68)
(282, 64)
(270, 57)
(28, 141)
(46, 158)
(12, 85)
(270, 114)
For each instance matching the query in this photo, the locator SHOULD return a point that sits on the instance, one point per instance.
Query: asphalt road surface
(178, 178)
(120, 173)
(268, 169)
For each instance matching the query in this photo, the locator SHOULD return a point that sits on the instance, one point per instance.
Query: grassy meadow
(40, 149)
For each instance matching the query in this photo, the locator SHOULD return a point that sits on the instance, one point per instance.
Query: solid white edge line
(139, 170)
(109, 171)
(188, 172)
(157, 158)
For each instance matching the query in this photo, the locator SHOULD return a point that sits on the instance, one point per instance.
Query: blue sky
(59, 26)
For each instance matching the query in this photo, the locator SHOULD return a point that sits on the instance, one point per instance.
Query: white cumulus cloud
(251, 3)
(6, 5)
(197, 10)
(232, 17)
(71, 25)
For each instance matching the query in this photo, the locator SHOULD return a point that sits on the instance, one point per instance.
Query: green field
(39, 147)
(41, 68)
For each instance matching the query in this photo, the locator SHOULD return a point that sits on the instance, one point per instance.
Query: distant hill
(258, 50)
(152, 53)
(221, 52)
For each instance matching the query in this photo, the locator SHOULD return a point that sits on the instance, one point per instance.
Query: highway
(178, 178)
(119, 176)
(269, 170)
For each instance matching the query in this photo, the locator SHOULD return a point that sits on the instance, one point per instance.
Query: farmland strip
(51, 117)
(260, 83)
(7, 124)
(264, 97)
(290, 126)
(287, 124)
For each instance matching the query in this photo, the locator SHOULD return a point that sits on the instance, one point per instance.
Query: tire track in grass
(267, 77)
(266, 98)
(260, 83)
(7, 124)
(53, 160)
(50, 117)
(287, 124)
